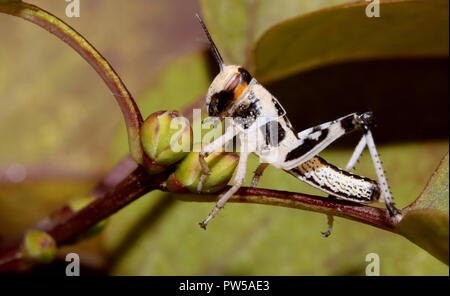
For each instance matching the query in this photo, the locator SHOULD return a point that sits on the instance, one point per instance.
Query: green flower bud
(166, 139)
(38, 247)
(78, 204)
(187, 175)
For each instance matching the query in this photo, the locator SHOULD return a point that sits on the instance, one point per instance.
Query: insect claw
(326, 233)
(202, 225)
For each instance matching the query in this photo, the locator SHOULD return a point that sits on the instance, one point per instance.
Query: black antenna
(212, 45)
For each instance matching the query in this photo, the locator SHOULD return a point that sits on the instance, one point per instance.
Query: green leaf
(235, 25)
(426, 222)
(435, 195)
(404, 29)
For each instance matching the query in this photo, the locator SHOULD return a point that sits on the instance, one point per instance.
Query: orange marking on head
(239, 90)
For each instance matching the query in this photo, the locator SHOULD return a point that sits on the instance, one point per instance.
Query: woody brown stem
(138, 183)
(66, 228)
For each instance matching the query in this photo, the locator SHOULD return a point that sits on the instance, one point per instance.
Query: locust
(261, 125)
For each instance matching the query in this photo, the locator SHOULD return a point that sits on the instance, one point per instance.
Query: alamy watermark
(260, 131)
(373, 268)
(73, 268)
(373, 8)
(73, 8)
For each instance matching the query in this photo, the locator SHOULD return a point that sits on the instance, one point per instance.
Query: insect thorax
(255, 107)
(258, 114)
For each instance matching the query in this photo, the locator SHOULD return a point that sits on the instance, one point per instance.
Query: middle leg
(258, 173)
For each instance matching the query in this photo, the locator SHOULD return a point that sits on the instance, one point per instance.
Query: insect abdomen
(337, 182)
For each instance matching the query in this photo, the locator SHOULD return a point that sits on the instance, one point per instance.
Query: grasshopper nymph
(261, 124)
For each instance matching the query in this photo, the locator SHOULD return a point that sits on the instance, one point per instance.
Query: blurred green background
(61, 130)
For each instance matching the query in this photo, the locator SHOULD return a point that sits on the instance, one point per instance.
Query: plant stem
(376, 217)
(67, 227)
(63, 31)
(125, 167)
(132, 187)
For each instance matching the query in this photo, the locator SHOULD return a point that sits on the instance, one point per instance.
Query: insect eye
(245, 75)
(233, 82)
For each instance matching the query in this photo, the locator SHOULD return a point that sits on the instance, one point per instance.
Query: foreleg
(237, 183)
